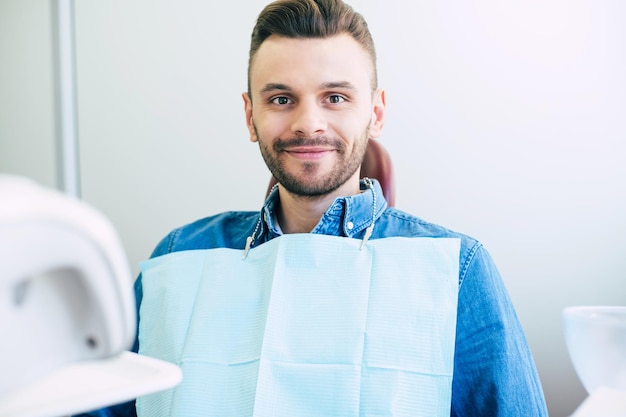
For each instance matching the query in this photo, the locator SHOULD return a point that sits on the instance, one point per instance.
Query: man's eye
(281, 101)
(335, 99)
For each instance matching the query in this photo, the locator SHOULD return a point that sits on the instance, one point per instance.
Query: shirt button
(350, 225)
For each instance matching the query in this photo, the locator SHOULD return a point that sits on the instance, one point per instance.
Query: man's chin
(307, 188)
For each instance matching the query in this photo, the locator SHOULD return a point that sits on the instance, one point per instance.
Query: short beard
(347, 165)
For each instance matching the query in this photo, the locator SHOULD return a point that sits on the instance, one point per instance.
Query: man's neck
(300, 214)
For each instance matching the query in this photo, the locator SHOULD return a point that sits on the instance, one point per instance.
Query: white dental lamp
(67, 307)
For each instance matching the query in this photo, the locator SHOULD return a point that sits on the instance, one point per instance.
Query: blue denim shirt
(494, 372)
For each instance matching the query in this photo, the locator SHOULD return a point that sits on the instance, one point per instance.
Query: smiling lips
(308, 152)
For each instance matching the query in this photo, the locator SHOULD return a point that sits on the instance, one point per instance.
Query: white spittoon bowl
(595, 337)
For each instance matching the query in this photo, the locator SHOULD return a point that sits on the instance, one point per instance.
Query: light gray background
(506, 121)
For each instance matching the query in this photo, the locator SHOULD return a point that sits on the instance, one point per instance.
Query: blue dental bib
(306, 325)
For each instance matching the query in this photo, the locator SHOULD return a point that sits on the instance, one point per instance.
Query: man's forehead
(338, 59)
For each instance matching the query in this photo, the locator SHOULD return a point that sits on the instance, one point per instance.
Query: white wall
(26, 113)
(506, 121)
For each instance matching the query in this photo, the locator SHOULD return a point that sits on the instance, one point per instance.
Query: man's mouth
(309, 152)
(308, 149)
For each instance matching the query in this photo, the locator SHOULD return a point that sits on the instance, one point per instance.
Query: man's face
(312, 111)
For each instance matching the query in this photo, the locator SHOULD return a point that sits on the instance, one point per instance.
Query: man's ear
(379, 103)
(247, 107)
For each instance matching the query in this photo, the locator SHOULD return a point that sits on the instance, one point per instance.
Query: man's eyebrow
(275, 86)
(344, 85)
(331, 85)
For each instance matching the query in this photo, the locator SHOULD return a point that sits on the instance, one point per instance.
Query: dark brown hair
(311, 19)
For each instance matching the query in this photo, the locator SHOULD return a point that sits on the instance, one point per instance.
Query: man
(312, 105)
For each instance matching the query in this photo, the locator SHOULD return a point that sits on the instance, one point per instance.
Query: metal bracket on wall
(65, 97)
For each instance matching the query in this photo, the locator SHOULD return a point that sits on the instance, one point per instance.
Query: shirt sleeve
(121, 410)
(494, 372)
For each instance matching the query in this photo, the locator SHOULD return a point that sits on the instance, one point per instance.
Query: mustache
(282, 144)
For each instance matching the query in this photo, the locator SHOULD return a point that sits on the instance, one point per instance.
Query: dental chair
(67, 308)
(376, 164)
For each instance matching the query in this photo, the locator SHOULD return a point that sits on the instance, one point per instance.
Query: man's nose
(308, 119)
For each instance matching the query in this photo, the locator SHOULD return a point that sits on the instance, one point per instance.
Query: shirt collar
(347, 216)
